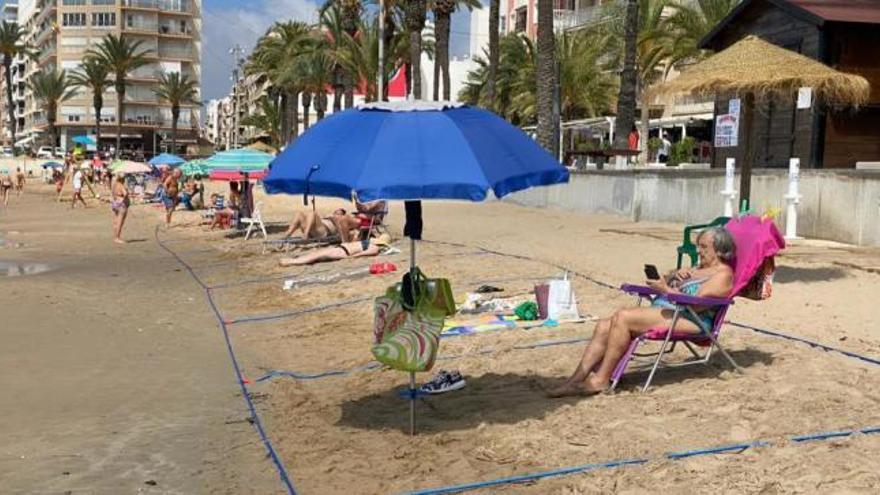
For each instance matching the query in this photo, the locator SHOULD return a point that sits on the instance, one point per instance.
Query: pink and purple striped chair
(756, 241)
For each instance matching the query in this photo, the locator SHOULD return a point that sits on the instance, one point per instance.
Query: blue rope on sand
(810, 343)
(258, 424)
(373, 365)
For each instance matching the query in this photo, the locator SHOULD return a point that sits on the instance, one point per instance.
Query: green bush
(682, 151)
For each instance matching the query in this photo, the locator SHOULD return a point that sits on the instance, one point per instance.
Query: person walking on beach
(5, 186)
(172, 188)
(119, 203)
(77, 189)
(665, 149)
(19, 180)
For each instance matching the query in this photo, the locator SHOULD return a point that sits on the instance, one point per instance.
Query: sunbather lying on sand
(612, 336)
(314, 227)
(357, 249)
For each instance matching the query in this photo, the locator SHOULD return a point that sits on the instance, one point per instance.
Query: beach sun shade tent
(756, 69)
(243, 160)
(84, 140)
(166, 159)
(413, 151)
(127, 167)
(52, 165)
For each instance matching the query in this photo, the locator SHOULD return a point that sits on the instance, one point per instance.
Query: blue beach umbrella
(52, 165)
(413, 151)
(167, 159)
(84, 140)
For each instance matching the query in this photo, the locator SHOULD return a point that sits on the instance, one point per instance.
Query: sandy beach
(121, 376)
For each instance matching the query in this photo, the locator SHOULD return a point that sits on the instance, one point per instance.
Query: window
(103, 2)
(76, 19)
(73, 2)
(103, 19)
(521, 19)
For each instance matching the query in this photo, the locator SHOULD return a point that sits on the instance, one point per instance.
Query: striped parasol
(243, 160)
(194, 167)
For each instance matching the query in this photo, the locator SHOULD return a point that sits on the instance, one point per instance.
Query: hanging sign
(805, 98)
(726, 131)
(733, 107)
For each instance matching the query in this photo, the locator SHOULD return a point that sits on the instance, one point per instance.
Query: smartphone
(651, 272)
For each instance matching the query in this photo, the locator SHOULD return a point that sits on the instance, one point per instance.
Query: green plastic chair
(688, 247)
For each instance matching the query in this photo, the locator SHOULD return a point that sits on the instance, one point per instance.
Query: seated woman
(315, 227)
(357, 249)
(612, 336)
(227, 214)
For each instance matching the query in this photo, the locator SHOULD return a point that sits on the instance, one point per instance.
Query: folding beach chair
(256, 218)
(372, 223)
(757, 241)
(687, 245)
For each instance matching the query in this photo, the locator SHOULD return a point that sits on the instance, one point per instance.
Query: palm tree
(52, 88)
(443, 10)
(277, 57)
(346, 15)
(121, 55)
(95, 76)
(691, 21)
(415, 21)
(316, 71)
(177, 90)
(494, 47)
(360, 56)
(267, 121)
(12, 44)
(626, 99)
(546, 79)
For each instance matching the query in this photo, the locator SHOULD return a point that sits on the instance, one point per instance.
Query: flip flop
(485, 289)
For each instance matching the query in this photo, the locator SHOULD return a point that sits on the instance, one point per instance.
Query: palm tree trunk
(546, 77)
(494, 13)
(120, 96)
(307, 103)
(282, 114)
(10, 109)
(441, 57)
(626, 99)
(643, 125)
(415, 56)
(175, 116)
(321, 104)
(98, 126)
(294, 116)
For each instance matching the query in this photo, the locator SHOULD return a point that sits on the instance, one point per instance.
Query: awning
(24, 142)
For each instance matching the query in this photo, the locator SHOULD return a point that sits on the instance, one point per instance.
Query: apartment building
(62, 32)
(521, 16)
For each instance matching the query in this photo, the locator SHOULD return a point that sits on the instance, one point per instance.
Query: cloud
(241, 23)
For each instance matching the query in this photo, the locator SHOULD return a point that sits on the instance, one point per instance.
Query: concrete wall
(836, 205)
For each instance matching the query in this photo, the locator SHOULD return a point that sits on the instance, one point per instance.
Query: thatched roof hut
(754, 66)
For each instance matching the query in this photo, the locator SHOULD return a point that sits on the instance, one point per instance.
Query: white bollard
(792, 198)
(729, 192)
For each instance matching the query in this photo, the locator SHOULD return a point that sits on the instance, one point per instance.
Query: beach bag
(556, 300)
(423, 293)
(760, 286)
(405, 340)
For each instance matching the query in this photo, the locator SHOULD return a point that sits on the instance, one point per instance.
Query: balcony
(175, 31)
(163, 6)
(140, 26)
(584, 16)
(176, 53)
(564, 19)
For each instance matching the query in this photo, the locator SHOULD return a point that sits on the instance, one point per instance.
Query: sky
(226, 23)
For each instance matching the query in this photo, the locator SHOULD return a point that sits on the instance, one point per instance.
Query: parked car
(59, 153)
(7, 152)
(46, 152)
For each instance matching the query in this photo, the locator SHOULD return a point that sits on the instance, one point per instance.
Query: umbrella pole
(412, 375)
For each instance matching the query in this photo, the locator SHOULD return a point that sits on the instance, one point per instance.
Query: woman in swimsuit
(314, 227)
(356, 249)
(5, 186)
(612, 336)
(227, 214)
(119, 204)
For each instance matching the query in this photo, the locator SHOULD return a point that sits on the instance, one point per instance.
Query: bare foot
(572, 390)
(119, 241)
